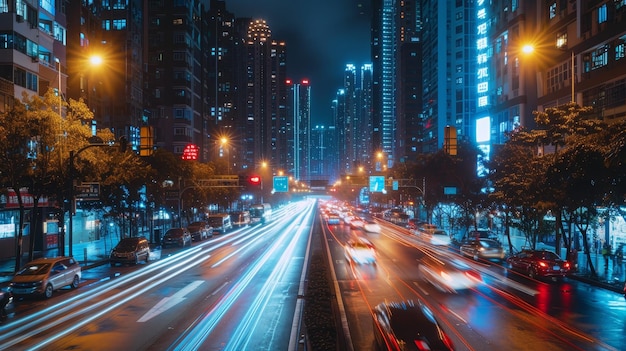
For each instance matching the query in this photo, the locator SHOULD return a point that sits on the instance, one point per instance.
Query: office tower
(299, 106)
(323, 165)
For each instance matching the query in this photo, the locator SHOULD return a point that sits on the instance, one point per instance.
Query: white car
(439, 237)
(371, 227)
(360, 252)
(448, 275)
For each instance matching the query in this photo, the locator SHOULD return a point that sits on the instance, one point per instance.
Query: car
(485, 249)
(177, 237)
(333, 220)
(408, 326)
(6, 303)
(130, 250)
(439, 237)
(356, 223)
(482, 234)
(200, 230)
(448, 274)
(45, 275)
(360, 252)
(371, 227)
(539, 264)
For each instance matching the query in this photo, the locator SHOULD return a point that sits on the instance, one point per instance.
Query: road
(506, 312)
(236, 291)
(242, 291)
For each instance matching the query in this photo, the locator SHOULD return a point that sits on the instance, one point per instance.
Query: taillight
(566, 265)
(474, 275)
(421, 345)
(543, 264)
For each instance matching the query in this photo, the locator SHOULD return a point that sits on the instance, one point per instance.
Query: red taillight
(474, 275)
(421, 345)
(566, 265)
(543, 264)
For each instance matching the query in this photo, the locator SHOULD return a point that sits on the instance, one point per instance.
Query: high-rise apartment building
(578, 55)
(224, 131)
(176, 76)
(33, 41)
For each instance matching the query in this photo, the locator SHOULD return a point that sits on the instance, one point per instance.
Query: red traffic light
(254, 180)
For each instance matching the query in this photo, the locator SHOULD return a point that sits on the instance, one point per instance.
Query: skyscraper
(300, 107)
(264, 90)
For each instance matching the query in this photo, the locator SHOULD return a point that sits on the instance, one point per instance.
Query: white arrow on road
(169, 302)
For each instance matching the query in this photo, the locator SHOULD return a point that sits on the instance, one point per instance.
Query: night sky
(322, 36)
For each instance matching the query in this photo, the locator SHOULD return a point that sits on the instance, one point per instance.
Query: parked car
(220, 222)
(200, 230)
(45, 275)
(486, 249)
(130, 250)
(447, 274)
(6, 303)
(539, 264)
(408, 326)
(177, 237)
(360, 252)
(482, 234)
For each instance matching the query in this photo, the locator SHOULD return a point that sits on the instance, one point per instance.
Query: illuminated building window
(602, 14)
(552, 10)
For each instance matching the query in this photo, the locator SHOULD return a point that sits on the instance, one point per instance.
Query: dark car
(176, 237)
(482, 234)
(200, 230)
(539, 264)
(485, 249)
(130, 250)
(408, 326)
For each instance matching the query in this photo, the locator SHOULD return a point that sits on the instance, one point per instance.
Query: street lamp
(224, 145)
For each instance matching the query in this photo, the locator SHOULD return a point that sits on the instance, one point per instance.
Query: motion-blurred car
(485, 249)
(176, 237)
(360, 252)
(130, 250)
(539, 264)
(356, 223)
(200, 230)
(45, 275)
(371, 227)
(408, 326)
(334, 220)
(439, 237)
(448, 274)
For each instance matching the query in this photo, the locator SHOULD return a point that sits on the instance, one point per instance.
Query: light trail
(196, 334)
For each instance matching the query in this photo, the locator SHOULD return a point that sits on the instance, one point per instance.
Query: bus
(260, 213)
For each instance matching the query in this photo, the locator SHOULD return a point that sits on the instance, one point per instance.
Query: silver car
(45, 275)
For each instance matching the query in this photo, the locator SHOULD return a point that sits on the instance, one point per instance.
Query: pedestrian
(619, 260)
(606, 252)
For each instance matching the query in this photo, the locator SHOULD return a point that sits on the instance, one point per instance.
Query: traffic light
(254, 180)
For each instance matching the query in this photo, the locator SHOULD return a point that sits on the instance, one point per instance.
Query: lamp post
(93, 142)
(224, 145)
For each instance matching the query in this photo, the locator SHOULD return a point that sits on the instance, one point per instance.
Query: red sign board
(191, 152)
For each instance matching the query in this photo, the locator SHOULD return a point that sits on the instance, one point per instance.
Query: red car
(539, 264)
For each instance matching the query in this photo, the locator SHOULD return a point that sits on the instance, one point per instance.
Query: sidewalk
(87, 254)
